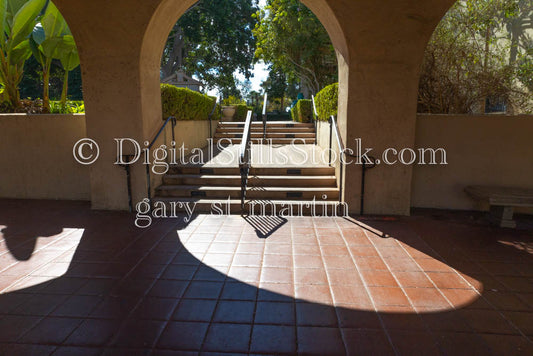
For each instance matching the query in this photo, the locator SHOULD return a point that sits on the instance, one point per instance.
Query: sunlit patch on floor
(50, 258)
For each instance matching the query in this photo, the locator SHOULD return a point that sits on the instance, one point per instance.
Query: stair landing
(265, 156)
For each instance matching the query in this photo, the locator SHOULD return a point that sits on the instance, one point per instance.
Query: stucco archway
(381, 46)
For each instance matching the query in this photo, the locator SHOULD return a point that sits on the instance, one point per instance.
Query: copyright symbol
(86, 151)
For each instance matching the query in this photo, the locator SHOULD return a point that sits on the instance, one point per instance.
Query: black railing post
(331, 123)
(173, 120)
(366, 166)
(342, 149)
(174, 123)
(149, 184)
(211, 119)
(315, 119)
(126, 166)
(265, 116)
(245, 157)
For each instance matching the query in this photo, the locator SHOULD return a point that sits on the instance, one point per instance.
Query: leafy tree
(469, 60)
(31, 85)
(276, 85)
(44, 41)
(291, 37)
(69, 59)
(17, 19)
(51, 39)
(212, 41)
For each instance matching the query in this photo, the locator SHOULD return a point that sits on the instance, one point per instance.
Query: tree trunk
(515, 37)
(46, 86)
(175, 58)
(64, 92)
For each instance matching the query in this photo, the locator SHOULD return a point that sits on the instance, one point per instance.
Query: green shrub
(71, 107)
(327, 102)
(302, 111)
(233, 100)
(185, 104)
(217, 115)
(241, 111)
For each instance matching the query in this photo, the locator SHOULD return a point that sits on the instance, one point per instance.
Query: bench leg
(502, 216)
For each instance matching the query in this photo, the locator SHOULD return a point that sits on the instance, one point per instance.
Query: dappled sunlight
(339, 262)
(519, 245)
(51, 258)
(266, 285)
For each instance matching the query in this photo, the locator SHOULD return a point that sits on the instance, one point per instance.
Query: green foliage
(33, 27)
(232, 100)
(185, 104)
(302, 111)
(241, 111)
(31, 85)
(17, 19)
(291, 37)
(51, 39)
(36, 106)
(213, 40)
(276, 84)
(70, 107)
(478, 54)
(217, 114)
(327, 102)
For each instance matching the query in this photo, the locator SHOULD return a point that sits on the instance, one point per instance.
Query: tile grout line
(294, 302)
(67, 296)
(123, 321)
(471, 286)
(24, 277)
(211, 320)
(339, 328)
(256, 292)
(365, 286)
(166, 322)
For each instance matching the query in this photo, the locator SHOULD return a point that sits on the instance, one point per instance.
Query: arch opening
(168, 12)
(41, 66)
(479, 60)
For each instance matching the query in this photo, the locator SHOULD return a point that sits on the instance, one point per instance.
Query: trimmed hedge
(302, 111)
(240, 112)
(327, 102)
(186, 104)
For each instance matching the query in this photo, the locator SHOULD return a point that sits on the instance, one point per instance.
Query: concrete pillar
(109, 37)
(379, 78)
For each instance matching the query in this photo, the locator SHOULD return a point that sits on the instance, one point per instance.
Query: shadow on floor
(95, 284)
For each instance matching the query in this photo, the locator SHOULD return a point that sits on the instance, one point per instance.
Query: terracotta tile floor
(75, 281)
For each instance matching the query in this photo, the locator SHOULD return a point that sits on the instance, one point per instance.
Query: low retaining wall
(481, 150)
(36, 159)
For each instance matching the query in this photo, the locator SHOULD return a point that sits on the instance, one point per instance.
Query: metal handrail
(245, 157)
(210, 118)
(370, 164)
(315, 118)
(148, 182)
(334, 129)
(265, 102)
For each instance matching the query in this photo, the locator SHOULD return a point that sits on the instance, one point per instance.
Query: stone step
(275, 141)
(268, 193)
(253, 181)
(272, 207)
(269, 124)
(255, 171)
(269, 135)
(269, 129)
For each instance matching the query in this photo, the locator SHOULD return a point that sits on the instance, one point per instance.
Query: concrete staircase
(274, 185)
(279, 132)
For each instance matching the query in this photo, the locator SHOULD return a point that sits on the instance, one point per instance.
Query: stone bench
(502, 201)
